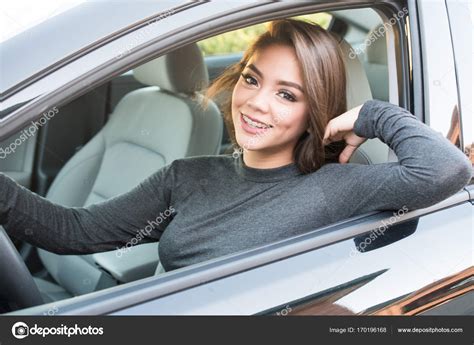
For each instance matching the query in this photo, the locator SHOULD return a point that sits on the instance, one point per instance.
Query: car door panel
(440, 247)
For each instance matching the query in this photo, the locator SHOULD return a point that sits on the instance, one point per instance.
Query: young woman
(285, 109)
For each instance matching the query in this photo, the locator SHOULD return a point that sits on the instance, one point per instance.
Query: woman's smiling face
(269, 107)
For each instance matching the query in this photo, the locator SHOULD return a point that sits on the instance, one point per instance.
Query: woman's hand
(341, 128)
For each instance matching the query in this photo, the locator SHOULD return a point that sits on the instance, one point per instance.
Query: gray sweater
(205, 207)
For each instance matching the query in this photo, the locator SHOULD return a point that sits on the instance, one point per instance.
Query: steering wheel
(16, 284)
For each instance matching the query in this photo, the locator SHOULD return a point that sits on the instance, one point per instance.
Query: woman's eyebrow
(279, 82)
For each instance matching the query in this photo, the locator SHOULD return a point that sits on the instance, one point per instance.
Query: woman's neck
(262, 160)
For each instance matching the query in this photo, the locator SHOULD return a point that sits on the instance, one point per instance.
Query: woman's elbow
(439, 184)
(455, 175)
(462, 172)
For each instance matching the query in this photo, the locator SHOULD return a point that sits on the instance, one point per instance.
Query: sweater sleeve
(429, 167)
(136, 217)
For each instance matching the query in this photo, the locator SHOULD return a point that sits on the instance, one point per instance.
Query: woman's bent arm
(429, 167)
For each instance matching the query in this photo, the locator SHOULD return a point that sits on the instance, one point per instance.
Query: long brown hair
(324, 80)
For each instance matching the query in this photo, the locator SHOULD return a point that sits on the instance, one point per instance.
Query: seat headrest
(358, 87)
(376, 52)
(358, 91)
(180, 71)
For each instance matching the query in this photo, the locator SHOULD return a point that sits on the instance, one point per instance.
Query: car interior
(105, 142)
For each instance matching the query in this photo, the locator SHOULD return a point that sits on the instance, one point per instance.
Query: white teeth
(253, 123)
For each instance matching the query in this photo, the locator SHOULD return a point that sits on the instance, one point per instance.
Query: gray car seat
(358, 91)
(149, 128)
(375, 63)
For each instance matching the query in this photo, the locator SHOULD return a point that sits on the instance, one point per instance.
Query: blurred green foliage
(239, 40)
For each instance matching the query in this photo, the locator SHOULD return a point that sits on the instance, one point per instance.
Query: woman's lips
(249, 129)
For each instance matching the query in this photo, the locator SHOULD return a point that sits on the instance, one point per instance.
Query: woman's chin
(249, 146)
(251, 140)
(244, 144)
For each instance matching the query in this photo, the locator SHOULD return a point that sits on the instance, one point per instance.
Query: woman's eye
(288, 96)
(249, 79)
(252, 81)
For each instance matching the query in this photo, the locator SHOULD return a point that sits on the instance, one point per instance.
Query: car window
(237, 41)
(122, 107)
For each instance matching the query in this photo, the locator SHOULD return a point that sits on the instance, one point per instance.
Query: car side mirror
(382, 237)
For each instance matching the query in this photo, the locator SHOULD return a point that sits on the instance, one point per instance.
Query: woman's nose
(259, 102)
